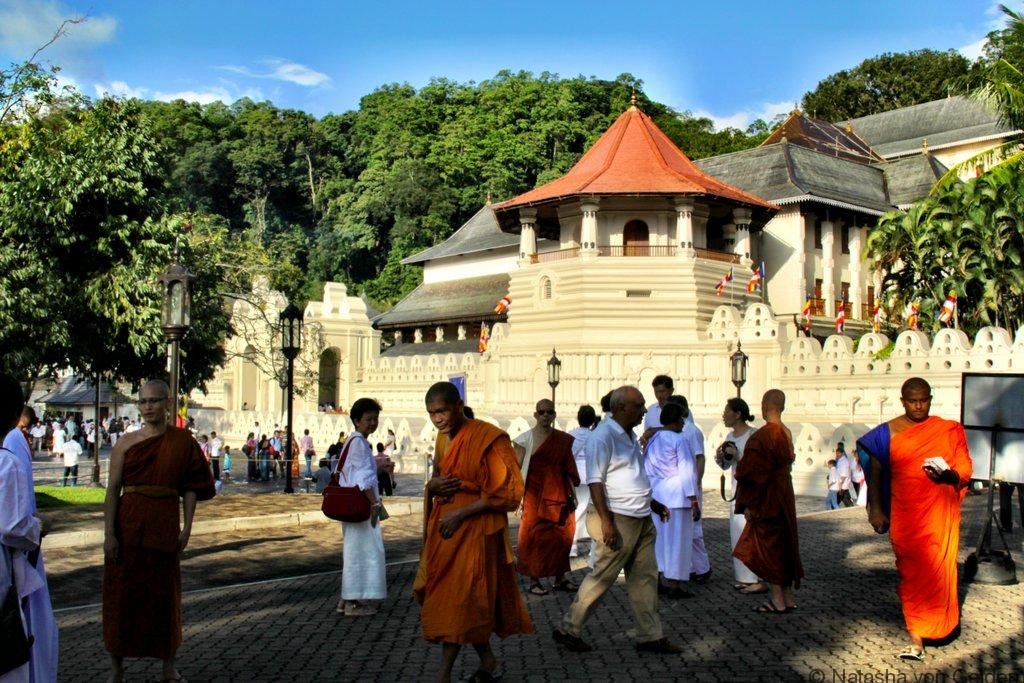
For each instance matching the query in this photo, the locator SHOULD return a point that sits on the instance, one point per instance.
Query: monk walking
(548, 523)
(769, 545)
(918, 468)
(150, 469)
(466, 583)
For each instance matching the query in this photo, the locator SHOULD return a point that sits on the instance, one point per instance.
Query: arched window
(545, 287)
(635, 238)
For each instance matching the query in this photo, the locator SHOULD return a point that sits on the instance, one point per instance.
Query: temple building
(614, 266)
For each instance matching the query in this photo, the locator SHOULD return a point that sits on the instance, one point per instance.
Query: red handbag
(344, 503)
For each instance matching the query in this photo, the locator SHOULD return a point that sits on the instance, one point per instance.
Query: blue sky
(733, 61)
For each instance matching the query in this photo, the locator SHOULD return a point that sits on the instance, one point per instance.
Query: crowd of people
(624, 489)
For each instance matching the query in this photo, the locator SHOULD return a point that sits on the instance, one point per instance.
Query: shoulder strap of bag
(336, 473)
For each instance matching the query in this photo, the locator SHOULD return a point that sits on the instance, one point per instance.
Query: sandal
(566, 586)
(911, 654)
(538, 589)
(768, 607)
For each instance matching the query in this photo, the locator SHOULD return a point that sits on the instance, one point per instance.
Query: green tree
(888, 81)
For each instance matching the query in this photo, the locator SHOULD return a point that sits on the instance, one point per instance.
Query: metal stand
(985, 565)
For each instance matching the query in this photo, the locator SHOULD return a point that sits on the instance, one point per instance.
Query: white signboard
(989, 401)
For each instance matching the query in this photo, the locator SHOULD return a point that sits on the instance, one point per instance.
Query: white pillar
(527, 235)
(742, 217)
(684, 226)
(856, 272)
(462, 332)
(828, 267)
(588, 225)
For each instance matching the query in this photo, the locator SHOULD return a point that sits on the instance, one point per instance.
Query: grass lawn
(51, 497)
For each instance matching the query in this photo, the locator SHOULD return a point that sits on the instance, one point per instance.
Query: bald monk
(466, 581)
(150, 470)
(769, 545)
(917, 500)
(548, 523)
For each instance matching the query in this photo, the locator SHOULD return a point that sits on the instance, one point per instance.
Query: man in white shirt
(38, 431)
(620, 521)
(832, 497)
(586, 417)
(72, 451)
(845, 475)
(663, 387)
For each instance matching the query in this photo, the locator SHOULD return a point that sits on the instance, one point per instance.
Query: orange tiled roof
(633, 157)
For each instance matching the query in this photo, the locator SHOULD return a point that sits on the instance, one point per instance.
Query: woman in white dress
(736, 415)
(362, 574)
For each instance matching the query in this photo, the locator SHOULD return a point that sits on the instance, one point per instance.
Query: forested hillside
(348, 196)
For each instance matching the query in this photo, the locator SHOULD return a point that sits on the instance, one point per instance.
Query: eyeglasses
(545, 412)
(151, 401)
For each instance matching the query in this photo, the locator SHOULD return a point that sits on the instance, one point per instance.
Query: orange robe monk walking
(466, 582)
(769, 544)
(919, 505)
(548, 525)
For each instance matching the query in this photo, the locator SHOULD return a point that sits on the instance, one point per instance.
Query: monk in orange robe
(769, 544)
(548, 523)
(150, 469)
(466, 582)
(917, 500)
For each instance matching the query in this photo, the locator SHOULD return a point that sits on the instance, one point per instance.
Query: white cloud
(28, 25)
(205, 96)
(281, 70)
(741, 119)
(119, 89)
(974, 50)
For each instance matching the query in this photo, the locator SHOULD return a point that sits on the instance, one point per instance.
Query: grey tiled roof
(76, 392)
(440, 348)
(911, 178)
(941, 122)
(479, 233)
(470, 299)
(788, 171)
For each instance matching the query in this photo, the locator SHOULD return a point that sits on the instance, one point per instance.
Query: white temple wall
(473, 265)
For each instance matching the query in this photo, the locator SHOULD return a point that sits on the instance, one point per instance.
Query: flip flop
(537, 589)
(768, 607)
(911, 654)
(566, 586)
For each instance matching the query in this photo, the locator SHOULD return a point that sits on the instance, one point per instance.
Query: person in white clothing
(38, 432)
(832, 486)
(736, 415)
(620, 520)
(362, 576)
(71, 451)
(586, 416)
(59, 436)
(672, 471)
(701, 569)
(857, 480)
(21, 559)
(845, 475)
(663, 387)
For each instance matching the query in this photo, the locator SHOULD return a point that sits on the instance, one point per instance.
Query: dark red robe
(142, 591)
(548, 524)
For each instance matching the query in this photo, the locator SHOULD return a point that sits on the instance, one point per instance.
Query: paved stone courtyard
(846, 629)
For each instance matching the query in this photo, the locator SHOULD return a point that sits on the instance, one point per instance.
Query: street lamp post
(738, 366)
(554, 373)
(291, 344)
(175, 316)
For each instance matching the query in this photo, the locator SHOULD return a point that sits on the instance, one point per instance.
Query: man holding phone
(918, 468)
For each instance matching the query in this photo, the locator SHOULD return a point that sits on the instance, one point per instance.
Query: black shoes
(662, 646)
(571, 642)
(701, 578)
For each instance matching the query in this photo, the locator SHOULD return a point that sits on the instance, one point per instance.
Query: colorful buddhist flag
(876, 323)
(807, 316)
(485, 338)
(912, 315)
(757, 279)
(841, 318)
(948, 309)
(726, 279)
(503, 304)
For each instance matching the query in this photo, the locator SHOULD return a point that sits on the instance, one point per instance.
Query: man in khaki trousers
(619, 519)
